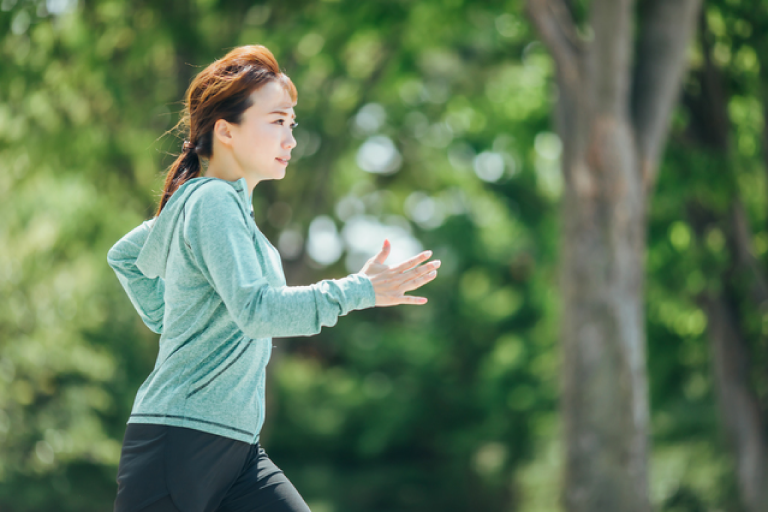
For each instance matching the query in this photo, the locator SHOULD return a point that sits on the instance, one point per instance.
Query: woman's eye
(281, 122)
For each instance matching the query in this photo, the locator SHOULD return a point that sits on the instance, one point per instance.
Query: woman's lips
(283, 161)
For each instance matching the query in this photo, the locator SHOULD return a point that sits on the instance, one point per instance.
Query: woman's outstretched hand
(391, 283)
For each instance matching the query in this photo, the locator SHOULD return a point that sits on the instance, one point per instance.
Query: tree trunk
(613, 128)
(739, 407)
(605, 398)
(739, 410)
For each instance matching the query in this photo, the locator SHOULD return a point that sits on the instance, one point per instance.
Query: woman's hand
(391, 283)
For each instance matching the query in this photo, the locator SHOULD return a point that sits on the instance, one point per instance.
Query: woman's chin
(275, 174)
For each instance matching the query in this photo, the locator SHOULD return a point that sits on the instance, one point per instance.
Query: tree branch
(555, 24)
(666, 30)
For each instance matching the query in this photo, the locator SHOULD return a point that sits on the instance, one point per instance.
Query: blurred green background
(427, 122)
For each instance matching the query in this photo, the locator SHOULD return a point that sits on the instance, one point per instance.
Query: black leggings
(162, 505)
(175, 469)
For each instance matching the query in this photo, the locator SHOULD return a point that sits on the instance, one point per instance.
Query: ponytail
(186, 167)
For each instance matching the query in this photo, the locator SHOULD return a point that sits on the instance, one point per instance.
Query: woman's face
(262, 142)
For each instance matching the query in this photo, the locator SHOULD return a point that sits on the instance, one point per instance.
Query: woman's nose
(289, 142)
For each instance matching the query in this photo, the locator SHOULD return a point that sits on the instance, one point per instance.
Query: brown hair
(221, 91)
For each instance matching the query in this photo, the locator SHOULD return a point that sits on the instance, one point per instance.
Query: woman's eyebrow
(283, 113)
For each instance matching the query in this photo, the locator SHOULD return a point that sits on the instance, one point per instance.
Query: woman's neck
(224, 167)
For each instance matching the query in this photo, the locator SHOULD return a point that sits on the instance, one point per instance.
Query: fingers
(409, 264)
(384, 252)
(407, 299)
(391, 283)
(396, 292)
(417, 272)
(419, 280)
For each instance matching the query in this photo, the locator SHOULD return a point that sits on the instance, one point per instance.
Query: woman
(203, 276)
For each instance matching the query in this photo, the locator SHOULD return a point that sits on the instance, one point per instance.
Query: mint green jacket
(203, 276)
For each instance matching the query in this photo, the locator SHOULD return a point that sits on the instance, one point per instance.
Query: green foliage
(450, 406)
(708, 169)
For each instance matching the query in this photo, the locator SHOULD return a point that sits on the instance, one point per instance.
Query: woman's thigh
(162, 505)
(163, 466)
(141, 473)
(262, 487)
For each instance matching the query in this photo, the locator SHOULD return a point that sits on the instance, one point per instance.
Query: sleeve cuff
(360, 292)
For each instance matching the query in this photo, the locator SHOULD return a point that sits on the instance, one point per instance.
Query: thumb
(383, 253)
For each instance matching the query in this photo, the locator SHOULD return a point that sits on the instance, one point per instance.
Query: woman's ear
(222, 131)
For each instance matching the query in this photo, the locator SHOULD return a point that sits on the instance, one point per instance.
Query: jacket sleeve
(221, 243)
(147, 295)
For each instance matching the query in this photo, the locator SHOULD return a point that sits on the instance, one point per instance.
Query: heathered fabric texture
(203, 276)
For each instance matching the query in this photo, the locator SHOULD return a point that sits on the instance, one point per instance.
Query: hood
(153, 258)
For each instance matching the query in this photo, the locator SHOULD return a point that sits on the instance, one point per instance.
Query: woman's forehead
(272, 97)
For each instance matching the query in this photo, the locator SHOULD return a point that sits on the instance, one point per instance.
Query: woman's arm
(145, 294)
(219, 239)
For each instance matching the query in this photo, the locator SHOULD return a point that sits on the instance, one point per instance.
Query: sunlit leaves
(425, 122)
